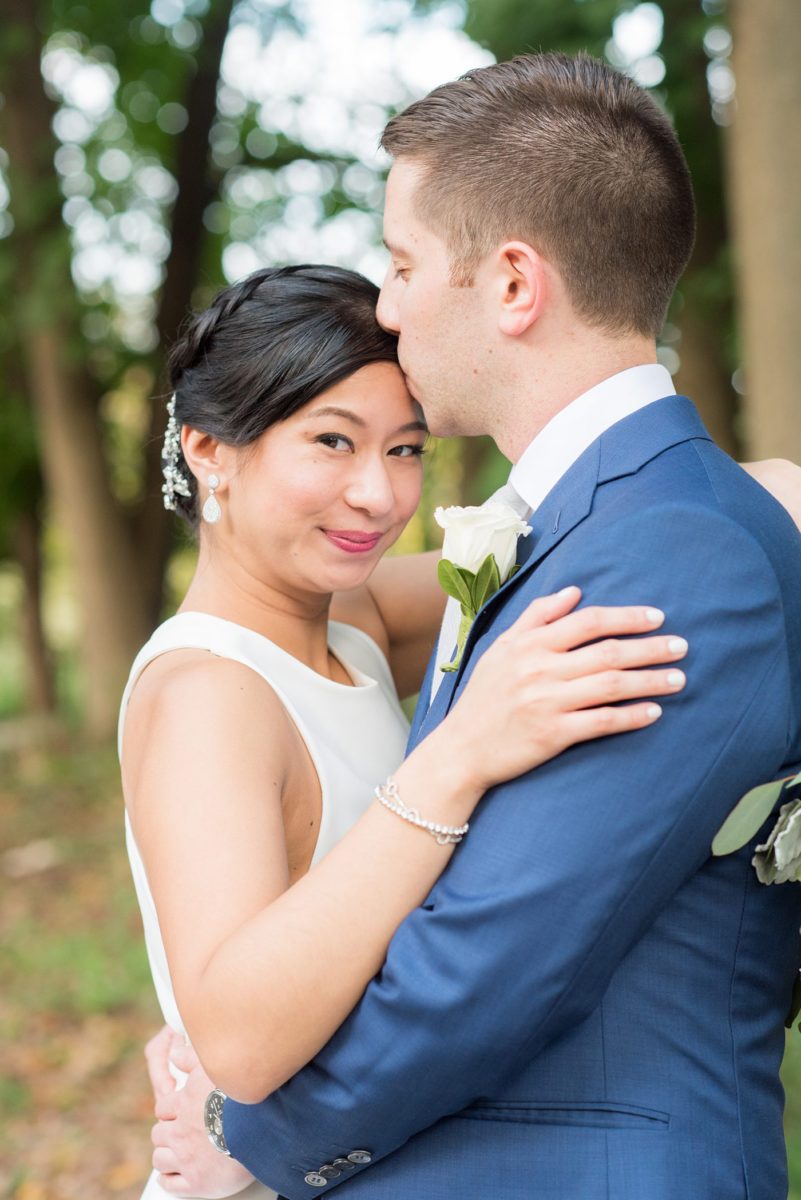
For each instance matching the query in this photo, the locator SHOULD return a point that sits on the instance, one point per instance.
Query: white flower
(473, 533)
(779, 859)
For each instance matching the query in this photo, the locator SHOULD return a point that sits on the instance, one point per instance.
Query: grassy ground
(75, 999)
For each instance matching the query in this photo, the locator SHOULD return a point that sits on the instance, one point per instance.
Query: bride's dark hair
(266, 346)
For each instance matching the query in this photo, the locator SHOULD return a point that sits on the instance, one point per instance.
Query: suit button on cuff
(360, 1157)
(330, 1172)
(344, 1164)
(314, 1179)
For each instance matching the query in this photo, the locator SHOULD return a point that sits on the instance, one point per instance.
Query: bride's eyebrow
(344, 414)
(413, 427)
(331, 411)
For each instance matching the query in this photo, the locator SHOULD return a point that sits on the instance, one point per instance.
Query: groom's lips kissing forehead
(353, 541)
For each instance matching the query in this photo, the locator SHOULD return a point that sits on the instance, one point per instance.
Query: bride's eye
(410, 450)
(335, 441)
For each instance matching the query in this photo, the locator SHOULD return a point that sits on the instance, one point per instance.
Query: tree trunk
(704, 378)
(39, 683)
(112, 615)
(704, 374)
(196, 190)
(766, 192)
(705, 317)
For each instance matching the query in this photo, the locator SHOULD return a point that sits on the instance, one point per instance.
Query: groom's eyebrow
(394, 248)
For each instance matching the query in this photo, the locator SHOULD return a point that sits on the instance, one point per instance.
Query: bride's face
(322, 495)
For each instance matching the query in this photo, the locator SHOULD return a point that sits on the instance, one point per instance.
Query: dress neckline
(360, 681)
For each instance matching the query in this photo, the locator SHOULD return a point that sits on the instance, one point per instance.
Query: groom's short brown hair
(569, 156)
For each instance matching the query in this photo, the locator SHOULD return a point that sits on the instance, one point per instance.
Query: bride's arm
(782, 479)
(401, 607)
(263, 976)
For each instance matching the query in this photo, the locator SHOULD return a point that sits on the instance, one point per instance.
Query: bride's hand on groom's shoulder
(187, 1163)
(556, 677)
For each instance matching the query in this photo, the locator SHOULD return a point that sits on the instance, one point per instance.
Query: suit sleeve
(564, 868)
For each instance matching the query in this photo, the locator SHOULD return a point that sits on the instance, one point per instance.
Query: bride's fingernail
(675, 678)
(653, 711)
(568, 591)
(654, 615)
(678, 645)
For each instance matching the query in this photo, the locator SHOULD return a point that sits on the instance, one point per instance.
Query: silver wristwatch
(213, 1118)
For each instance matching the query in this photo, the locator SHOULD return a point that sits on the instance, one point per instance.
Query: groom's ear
(523, 282)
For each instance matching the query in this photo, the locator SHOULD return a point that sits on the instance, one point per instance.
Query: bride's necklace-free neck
(297, 623)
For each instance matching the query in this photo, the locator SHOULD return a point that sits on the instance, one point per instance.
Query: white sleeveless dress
(355, 736)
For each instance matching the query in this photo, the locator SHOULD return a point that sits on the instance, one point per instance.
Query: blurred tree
(61, 390)
(766, 191)
(21, 518)
(148, 177)
(704, 307)
(196, 180)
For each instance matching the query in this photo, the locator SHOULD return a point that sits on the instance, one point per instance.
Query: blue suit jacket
(588, 1006)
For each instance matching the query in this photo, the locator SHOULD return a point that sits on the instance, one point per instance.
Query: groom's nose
(387, 309)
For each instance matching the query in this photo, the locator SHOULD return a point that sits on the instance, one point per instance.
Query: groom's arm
(563, 870)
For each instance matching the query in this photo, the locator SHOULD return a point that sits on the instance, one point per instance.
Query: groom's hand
(157, 1057)
(187, 1163)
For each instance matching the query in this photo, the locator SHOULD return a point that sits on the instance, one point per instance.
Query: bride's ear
(523, 284)
(204, 454)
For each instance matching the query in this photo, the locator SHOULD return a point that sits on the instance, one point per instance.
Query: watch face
(213, 1118)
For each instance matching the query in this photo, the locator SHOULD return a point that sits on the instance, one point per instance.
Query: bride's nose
(370, 488)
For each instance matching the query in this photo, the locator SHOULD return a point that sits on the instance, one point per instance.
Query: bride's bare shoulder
(192, 698)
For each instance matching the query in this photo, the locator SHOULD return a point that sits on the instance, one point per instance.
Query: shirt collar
(567, 435)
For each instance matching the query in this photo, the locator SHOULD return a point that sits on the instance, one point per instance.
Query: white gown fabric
(355, 736)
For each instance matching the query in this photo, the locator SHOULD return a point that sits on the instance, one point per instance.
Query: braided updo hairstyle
(265, 347)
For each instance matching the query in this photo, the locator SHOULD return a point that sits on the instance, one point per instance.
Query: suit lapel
(441, 702)
(622, 450)
(423, 700)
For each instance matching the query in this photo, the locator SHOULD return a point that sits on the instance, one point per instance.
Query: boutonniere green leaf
(472, 590)
(777, 860)
(748, 816)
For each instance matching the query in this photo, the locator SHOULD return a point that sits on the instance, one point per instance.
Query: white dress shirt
(554, 451)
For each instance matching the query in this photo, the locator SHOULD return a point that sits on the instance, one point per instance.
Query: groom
(588, 1006)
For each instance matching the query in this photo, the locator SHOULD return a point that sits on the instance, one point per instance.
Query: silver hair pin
(175, 482)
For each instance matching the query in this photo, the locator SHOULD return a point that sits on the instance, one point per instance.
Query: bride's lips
(352, 541)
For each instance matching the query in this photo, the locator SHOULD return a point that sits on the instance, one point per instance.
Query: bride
(254, 727)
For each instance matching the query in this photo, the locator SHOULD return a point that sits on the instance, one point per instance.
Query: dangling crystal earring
(211, 509)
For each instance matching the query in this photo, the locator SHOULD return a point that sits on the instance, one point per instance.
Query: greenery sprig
(472, 589)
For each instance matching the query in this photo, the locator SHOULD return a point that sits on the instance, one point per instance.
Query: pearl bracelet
(445, 835)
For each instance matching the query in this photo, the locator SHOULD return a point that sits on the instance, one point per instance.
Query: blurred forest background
(149, 152)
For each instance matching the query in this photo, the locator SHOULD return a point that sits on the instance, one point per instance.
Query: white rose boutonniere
(478, 556)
